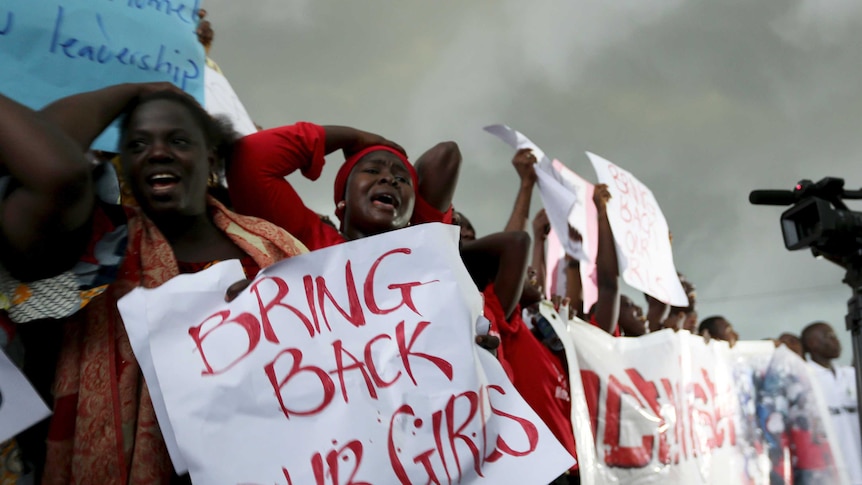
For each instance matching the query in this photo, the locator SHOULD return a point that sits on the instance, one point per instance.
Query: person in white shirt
(838, 384)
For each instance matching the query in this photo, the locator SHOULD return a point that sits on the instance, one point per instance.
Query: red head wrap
(344, 172)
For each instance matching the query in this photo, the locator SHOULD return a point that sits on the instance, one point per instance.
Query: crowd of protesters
(71, 250)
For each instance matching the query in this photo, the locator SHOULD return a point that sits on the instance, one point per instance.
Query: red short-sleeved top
(257, 185)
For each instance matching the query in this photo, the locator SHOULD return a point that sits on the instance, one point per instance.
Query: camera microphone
(772, 197)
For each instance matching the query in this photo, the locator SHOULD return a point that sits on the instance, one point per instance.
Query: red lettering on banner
(449, 434)
(529, 429)
(723, 413)
(591, 390)
(378, 379)
(617, 455)
(327, 387)
(641, 218)
(356, 316)
(308, 284)
(458, 434)
(701, 422)
(345, 362)
(405, 349)
(707, 426)
(406, 288)
(397, 466)
(278, 302)
(340, 369)
(650, 393)
(317, 298)
(679, 427)
(245, 321)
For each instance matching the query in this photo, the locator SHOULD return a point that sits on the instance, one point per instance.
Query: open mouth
(384, 200)
(161, 182)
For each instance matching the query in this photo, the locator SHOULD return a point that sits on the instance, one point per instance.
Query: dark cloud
(702, 100)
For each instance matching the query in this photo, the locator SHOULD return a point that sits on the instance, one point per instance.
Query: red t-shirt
(257, 186)
(540, 378)
(493, 311)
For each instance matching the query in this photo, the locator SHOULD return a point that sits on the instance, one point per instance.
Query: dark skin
(468, 233)
(204, 30)
(631, 320)
(162, 138)
(792, 342)
(658, 314)
(379, 196)
(438, 170)
(524, 162)
(821, 343)
(44, 215)
(500, 258)
(724, 331)
(541, 229)
(607, 309)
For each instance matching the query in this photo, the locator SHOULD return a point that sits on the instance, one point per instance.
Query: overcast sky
(702, 100)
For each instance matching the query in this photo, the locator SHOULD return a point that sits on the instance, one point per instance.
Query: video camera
(819, 219)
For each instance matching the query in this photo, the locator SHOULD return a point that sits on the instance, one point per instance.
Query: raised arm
(574, 286)
(261, 161)
(44, 215)
(500, 258)
(607, 270)
(524, 162)
(438, 170)
(84, 116)
(541, 228)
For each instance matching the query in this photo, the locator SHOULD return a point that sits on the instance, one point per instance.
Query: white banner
(641, 235)
(669, 408)
(354, 364)
(20, 405)
(221, 100)
(564, 194)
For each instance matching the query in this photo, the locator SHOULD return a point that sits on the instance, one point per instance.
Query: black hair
(218, 132)
(709, 323)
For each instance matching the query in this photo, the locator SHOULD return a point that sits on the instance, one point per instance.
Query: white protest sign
(20, 405)
(221, 100)
(641, 235)
(133, 308)
(342, 366)
(669, 420)
(563, 193)
(555, 257)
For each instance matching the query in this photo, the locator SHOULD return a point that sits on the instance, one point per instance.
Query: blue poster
(53, 48)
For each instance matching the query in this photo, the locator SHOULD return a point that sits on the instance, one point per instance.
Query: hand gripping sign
(354, 364)
(564, 194)
(641, 235)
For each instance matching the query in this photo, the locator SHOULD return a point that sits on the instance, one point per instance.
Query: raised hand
(524, 162)
(601, 196)
(541, 225)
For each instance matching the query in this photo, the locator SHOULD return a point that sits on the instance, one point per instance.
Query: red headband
(347, 167)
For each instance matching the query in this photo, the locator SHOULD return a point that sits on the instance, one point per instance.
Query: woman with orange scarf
(104, 429)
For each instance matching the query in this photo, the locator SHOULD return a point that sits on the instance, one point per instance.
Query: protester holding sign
(527, 339)
(104, 424)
